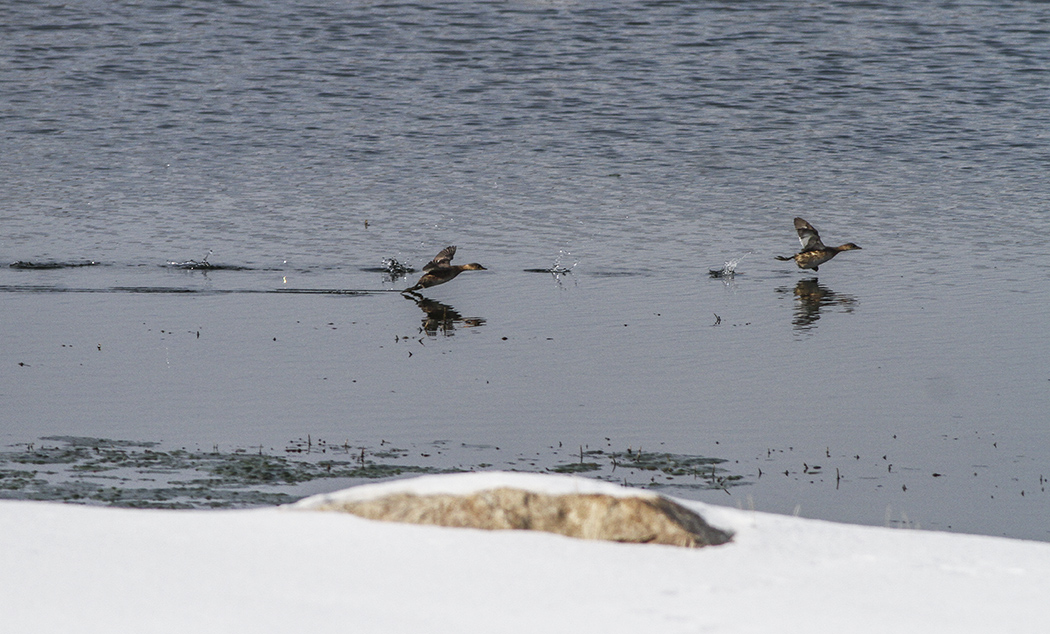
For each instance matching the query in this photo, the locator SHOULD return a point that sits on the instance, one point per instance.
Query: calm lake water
(637, 145)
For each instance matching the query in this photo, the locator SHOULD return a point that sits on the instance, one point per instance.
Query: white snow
(467, 483)
(69, 568)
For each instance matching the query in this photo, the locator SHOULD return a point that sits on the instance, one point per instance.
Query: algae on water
(142, 474)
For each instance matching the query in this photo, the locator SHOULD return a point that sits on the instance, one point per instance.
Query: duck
(441, 270)
(813, 252)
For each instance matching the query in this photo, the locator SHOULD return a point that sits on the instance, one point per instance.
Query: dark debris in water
(143, 475)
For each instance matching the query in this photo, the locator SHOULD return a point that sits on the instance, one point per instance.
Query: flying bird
(440, 270)
(813, 252)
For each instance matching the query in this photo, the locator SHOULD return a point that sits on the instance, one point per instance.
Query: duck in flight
(813, 252)
(440, 270)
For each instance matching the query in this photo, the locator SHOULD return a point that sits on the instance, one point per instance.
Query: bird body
(441, 270)
(813, 252)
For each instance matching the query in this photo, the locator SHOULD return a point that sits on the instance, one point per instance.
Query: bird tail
(782, 258)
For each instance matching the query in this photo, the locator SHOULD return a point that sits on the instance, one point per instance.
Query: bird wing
(441, 260)
(808, 236)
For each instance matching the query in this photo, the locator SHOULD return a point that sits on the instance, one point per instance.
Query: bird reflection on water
(441, 318)
(812, 297)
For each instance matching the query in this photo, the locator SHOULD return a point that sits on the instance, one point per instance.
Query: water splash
(194, 264)
(393, 270)
(559, 270)
(393, 267)
(728, 269)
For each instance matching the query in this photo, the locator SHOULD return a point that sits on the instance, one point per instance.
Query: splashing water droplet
(729, 268)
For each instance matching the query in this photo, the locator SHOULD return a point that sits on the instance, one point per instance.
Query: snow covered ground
(87, 569)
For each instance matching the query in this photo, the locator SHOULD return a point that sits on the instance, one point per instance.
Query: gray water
(639, 145)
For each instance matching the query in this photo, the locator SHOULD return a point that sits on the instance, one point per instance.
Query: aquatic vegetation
(701, 472)
(17, 480)
(73, 469)
(142, 475)
(576, 467)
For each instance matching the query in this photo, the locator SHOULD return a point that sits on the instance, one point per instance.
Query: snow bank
(88, 569)
(467, 483)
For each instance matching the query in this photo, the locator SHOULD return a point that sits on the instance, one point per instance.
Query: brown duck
(813, 252)
(440, 270)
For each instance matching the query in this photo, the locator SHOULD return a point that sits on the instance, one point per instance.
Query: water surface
(638, 144)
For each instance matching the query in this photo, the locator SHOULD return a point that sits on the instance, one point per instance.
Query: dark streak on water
(45, 266)
(184, 290)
